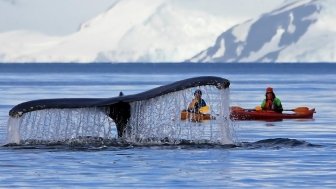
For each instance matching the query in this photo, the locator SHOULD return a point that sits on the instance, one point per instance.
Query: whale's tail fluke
(133, 116)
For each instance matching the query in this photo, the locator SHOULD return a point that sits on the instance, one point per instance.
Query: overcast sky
(62, 17)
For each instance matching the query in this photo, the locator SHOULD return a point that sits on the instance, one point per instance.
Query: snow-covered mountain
(175, 30)
(299, 31)
(51, 17)
(128, 31)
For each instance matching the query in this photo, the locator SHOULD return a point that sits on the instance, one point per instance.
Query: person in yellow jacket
(271, 102)
(197, 103)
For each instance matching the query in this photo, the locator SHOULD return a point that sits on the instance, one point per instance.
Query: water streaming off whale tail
(159, 118)
(152, 121)
(60, 125)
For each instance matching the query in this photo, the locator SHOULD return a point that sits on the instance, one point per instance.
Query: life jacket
(201, 103)
(269, 105)
(272, 104)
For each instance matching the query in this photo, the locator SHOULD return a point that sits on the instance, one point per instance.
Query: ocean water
(282, 154)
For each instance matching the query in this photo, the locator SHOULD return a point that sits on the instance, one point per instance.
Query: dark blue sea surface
(282, 154)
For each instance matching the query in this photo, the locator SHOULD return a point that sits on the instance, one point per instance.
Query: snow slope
(299, 31)
(175, 30)
(171, 34)
(51, 17)
(129, 31)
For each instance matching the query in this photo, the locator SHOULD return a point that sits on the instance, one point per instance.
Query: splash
(151, 121)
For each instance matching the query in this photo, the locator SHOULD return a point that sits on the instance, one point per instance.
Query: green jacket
(276, 106)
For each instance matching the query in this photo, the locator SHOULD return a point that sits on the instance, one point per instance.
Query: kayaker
(197, 102)
(271, 102)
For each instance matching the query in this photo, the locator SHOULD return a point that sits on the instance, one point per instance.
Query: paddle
(296, 110)
(204, 109)
(299, 109)
(237, 108)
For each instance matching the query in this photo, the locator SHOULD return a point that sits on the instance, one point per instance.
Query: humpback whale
(117, 108)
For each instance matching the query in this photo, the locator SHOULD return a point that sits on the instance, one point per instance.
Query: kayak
(238, 113)
(197, 117)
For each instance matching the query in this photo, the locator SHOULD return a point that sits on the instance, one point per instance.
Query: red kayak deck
(246, 114)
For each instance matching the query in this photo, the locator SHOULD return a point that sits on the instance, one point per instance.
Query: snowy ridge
(278, 36)
(130, 31)
(171, 31)
(101, 33)
(171, 34)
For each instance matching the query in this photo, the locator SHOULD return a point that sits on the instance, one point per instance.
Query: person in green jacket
(271, 102)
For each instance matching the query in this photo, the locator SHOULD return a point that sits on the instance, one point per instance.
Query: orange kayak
(197, 117)
(238, 113)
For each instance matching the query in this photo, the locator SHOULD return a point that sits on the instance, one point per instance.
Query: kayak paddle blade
(204, 109)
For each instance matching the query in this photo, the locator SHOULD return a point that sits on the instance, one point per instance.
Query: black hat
(198, 92)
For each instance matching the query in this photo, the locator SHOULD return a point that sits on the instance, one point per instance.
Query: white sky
(61, 17)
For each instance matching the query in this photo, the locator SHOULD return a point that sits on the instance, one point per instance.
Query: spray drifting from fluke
(160, 118)
(153, 114)
(60, 124)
